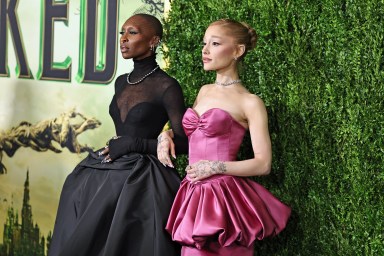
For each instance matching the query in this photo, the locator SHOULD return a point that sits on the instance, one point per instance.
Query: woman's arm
(260, 164)
(173, 101)
(166, 143)
(166, 148)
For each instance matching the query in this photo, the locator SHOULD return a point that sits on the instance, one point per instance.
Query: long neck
(143, 66)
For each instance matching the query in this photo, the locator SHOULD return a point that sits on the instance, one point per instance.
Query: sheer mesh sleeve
(173, 101)
(141, 111)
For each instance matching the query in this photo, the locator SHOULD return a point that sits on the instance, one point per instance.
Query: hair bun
(252, 36)
(242, 33)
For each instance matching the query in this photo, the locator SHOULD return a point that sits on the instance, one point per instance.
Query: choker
(141, 80)
(228, 83)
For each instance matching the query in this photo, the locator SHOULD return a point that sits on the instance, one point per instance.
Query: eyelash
(214, 44)
(130, 32)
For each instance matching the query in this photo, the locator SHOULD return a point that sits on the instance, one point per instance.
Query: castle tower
(22, 239)
(26, 211)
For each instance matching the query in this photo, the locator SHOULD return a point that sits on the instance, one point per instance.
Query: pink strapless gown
(221, 215)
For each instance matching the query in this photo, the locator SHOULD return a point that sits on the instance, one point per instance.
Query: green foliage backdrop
(319, 67)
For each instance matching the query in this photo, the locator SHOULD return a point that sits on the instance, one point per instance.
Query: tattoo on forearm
(208, 168)
(219, 166)
(163, 144)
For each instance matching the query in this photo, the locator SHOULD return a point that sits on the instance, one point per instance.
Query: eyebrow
(130, 27)
(214, 37)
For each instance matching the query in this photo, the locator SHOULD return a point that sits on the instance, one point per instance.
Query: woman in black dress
(117, 200)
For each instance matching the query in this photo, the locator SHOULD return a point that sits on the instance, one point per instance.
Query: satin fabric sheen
(221, 215)
(115, 208)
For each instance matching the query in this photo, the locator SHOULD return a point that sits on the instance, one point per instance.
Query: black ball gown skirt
(117, 208)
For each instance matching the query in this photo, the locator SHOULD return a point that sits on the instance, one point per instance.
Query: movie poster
(58, 63)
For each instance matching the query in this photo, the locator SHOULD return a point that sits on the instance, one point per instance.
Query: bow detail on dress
(208, 123)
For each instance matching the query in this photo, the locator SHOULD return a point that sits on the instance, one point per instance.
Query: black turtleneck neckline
(144, 66)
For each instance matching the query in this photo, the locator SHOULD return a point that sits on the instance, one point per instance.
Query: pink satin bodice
(214, 135)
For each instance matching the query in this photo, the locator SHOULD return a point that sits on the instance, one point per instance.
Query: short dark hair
(155, 22)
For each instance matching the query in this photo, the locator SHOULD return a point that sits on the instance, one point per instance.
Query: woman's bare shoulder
(252, 103)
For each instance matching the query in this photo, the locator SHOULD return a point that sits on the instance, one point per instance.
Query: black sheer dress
(121, 207)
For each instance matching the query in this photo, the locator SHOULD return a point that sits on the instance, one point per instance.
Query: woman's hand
(165, 148)
(204, 169)
(105, 151)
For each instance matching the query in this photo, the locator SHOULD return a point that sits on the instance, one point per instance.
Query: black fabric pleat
(117, 208)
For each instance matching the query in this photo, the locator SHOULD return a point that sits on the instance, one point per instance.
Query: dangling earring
(235, 58)
(152, 48)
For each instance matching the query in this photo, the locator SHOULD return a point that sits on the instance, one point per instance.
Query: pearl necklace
(228, 83)
(141, 80)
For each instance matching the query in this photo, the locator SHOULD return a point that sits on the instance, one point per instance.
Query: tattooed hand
(204, 169)
(165, 147)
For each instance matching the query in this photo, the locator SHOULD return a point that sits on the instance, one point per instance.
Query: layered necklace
(228, 83)
(141, 79)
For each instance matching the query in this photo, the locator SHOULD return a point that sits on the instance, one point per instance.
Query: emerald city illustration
(21, 236)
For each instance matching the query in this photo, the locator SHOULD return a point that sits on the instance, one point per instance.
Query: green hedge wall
(319, 67)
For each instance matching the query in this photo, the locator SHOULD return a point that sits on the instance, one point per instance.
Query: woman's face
(137, 37)
(219, 49)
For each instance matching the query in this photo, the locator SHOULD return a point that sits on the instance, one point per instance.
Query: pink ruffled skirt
(224, 215)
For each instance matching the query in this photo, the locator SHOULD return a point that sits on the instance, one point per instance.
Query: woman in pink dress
(218, 210)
